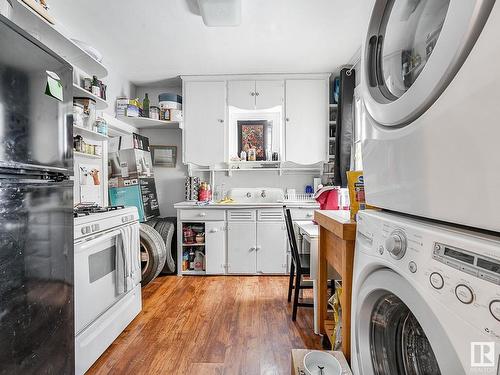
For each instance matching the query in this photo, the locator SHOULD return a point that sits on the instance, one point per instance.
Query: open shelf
(193, 244)
(89, 133)
(149, 123)
(332, 122)
(333, 105)
(54, 37)
(85, 155)
(80, 92)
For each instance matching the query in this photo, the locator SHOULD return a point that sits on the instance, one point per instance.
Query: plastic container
(154, 112)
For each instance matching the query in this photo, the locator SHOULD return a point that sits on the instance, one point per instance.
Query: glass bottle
(145, 106)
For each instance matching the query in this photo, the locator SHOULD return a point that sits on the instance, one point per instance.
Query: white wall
(169, 181)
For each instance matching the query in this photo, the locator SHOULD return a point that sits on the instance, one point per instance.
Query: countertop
(190, 205)
(337, 222)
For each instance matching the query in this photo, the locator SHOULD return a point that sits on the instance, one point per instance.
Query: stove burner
(84, 209)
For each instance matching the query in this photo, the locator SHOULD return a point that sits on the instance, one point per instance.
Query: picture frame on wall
(253, 134)
(164, 156)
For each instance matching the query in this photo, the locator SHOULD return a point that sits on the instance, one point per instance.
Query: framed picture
(253, 134)
(164, 156)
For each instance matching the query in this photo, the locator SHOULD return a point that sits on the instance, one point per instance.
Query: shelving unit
(54, 37)
(89, 133)
(85, 155)
(196, 227)
(148, 123)
(80, 92)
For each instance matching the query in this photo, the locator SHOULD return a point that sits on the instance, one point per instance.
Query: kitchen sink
(256, 195)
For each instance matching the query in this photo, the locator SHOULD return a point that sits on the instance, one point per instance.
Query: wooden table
(298, 361)
(336, 248)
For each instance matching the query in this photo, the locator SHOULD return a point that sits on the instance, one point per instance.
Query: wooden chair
(300, 264)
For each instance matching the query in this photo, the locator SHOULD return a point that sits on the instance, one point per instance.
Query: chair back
(291, 237)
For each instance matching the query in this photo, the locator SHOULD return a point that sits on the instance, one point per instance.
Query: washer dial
(395, 244)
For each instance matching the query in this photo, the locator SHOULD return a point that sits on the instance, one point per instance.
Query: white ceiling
(150, 41)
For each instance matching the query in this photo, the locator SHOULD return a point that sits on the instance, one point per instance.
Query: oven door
(95, 278)
(397, 333)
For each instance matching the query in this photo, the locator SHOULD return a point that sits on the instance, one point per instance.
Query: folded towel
(128, 265)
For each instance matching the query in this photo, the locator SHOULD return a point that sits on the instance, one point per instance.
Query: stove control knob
(395, 244)
(495, 309)
(464, 294)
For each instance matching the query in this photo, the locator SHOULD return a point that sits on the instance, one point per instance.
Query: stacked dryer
(430, 145)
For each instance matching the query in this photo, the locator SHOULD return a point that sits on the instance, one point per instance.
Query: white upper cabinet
(269, 94)
(241, 94)
(204, 122)
(306, 120)
(255, 94)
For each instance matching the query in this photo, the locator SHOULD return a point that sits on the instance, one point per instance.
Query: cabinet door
(269, 94)
(241, 94)
(271, 247)
(241, 247)
(204, 122)
(215, 247)
(306, 122)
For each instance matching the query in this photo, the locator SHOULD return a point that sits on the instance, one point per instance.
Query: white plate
(330, 364)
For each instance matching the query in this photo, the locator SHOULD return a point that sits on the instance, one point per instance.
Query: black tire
(167, 230)
(153, 253)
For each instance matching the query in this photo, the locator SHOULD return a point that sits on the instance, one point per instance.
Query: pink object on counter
(328, 198)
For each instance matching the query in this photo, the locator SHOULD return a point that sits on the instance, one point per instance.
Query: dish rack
(300, 197)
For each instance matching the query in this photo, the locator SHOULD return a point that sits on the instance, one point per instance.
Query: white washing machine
(431, 89)
(426, 298)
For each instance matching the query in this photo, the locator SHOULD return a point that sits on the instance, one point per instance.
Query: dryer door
(413, 50)
(396, 332)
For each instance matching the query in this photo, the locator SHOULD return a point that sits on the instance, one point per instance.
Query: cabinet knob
(203, 214)
(221, 120)
(257, 94)
(287, 119)
(252, 93)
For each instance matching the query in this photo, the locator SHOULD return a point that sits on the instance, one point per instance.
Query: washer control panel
(458, 270)
(468, 262)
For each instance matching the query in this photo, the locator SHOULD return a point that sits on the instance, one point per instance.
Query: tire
(153, 253)
(167, 230)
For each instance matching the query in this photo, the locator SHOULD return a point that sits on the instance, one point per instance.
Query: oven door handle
(82, 246)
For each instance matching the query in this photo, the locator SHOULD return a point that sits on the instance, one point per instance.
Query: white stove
(106, 298)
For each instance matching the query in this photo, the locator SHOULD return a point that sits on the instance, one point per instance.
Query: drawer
(241, 215)
(275, 214)
(302, 213)
(202, 215)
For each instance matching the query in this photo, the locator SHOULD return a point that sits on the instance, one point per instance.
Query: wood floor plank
(220, 325)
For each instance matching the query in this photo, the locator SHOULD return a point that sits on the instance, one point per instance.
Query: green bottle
(145, 106)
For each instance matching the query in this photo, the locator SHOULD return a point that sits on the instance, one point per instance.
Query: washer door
(413, 50)
(397, 333)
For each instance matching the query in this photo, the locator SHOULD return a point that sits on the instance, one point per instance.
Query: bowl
(316, 358)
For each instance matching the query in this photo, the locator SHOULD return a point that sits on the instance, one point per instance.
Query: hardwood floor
(211, 325)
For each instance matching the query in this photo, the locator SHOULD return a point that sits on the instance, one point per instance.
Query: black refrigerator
(36, 205)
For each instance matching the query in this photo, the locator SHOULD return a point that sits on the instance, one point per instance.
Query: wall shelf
(148, 123)
(54, 37)
(193, 244)
(193, 272)
(89, 133)
(80, 92)
(85, 155)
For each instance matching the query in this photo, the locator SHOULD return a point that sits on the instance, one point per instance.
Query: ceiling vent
(220, 12)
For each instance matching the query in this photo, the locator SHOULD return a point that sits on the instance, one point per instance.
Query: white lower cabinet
(241, 251)
(256, 247)
(271, 247)
(215, 245)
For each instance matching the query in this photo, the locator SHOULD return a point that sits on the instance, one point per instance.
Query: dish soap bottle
(145, 106)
